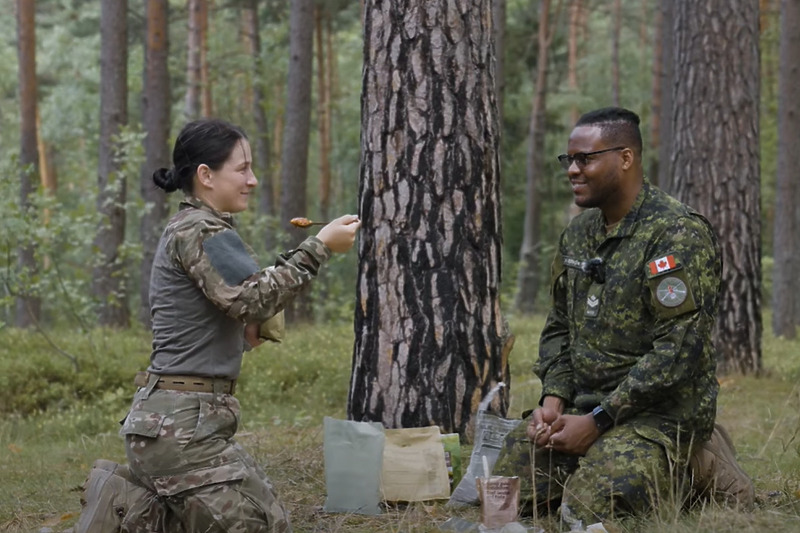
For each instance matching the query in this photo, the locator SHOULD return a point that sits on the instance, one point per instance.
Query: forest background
(613, 62)
(608, 55)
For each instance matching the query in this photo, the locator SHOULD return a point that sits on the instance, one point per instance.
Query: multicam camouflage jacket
(631, 318)
(205, 284)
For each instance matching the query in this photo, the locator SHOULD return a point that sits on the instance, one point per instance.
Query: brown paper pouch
(499, 497)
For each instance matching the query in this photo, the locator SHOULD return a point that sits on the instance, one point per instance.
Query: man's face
(597, 183)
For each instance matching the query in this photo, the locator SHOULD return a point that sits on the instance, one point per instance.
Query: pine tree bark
(664, 180)
(156, 110)
(294, 155)
(47, 171)
(323, 113)
(715, 157)
(575, 9)
(194, 55)
(430, 337)
(499, 31)
(786, 244)
(206, 100)
(655, 99)
(528, 275)
(108, 279)
(267, 203)
(28, 304)
(616, 16)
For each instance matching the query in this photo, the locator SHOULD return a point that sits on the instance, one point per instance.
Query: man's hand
(540, 427)
(573, 434)
(251, 335)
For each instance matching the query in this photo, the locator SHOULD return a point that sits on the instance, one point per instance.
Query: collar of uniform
(197, 203)
(627, 225)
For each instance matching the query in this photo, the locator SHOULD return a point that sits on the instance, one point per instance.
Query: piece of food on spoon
(301, 222)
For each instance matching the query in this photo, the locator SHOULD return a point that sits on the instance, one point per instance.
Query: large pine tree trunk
(108, 280)
(786, 245)
(715, 157)
(28, 305)
(156, 111)
(528, 275)
(430, 337)
(294, 156)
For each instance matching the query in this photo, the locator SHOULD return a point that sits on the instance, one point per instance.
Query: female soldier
(207, 296)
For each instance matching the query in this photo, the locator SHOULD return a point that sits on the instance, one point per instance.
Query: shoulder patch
(662, 265)
(229, 257)
(671, 294)
(671, 291)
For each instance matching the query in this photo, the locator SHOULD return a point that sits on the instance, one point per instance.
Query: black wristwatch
(602, 420)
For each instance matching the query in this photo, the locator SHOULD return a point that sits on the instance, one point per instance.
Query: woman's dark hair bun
(166, 179)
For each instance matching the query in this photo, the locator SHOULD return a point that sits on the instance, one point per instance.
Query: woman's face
(228, 188)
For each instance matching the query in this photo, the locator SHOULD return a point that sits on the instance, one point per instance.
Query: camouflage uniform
(205, 285)
(638, 344)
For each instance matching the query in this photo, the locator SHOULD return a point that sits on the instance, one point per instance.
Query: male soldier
(626, 359)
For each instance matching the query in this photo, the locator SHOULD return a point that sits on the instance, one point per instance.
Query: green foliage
(60, 240)
(61, 233)
(58, 370)
(300, 380)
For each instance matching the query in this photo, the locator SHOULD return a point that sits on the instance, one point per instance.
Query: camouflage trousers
(180, 445)
(627, 471)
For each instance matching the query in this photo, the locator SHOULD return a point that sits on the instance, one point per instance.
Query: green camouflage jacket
(205, 284)
(632, 331)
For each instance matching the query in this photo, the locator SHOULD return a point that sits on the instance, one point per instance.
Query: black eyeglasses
(582, 158)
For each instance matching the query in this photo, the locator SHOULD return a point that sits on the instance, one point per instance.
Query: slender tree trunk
(667, 8)
(330, 96)
(294, 164)
(28, 303)
(277, 140)
(786, 246)
(715, 157)
(323, 115)
(156, 110)
(529, 256)
(430, 337)
(48, 178)
(655, 100)
(575, 8)
(260, 138)
(108, 280)
(207, 105)
(47, 171)
(194, 54)
(644, 25)
(616, 15)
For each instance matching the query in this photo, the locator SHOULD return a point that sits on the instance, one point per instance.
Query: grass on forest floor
(287, 389)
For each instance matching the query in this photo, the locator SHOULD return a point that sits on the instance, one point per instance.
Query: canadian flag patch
(663, 264)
